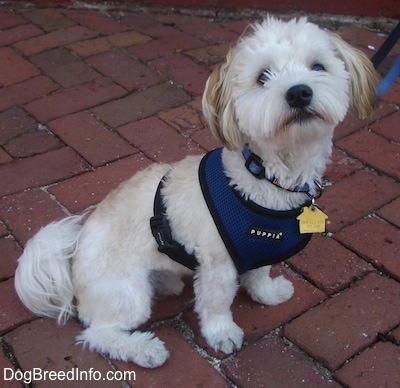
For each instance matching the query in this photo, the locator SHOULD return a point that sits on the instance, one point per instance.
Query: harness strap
(161, 231)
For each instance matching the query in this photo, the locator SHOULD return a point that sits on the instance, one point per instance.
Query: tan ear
(218, 106)
(364, 78)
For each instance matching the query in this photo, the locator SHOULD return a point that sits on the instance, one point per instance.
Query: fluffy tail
(43, 277)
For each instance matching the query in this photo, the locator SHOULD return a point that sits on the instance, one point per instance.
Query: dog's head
(287, 79)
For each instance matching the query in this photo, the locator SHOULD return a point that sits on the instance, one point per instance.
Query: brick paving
(87, 98)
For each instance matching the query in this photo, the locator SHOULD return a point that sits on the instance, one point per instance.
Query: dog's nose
(299, 96)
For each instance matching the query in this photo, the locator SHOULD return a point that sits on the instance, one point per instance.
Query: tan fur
(364, 78)
(218, 106)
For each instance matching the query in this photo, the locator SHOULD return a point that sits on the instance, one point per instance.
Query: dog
(273, 103)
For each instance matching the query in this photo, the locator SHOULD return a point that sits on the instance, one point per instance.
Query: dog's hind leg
(111, 308)
(265, 290)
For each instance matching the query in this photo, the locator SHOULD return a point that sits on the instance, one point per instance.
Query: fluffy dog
(280, 93)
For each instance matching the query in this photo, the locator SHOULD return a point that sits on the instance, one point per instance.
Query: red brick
(48, 19)
(197, 105)
(25, 91)
(271, 363)
(125, 70)
(90, 47)
(13, 313)
(40, 170)
(257, 320)
(361, 37)
(205, 139)
(74, 99)
(355, 197)
(238, 26)
(78, 193)
(210, 55)
(4, 157)
(158, 140)
(64, 67)
(14, 122)
(388, 126)
(201, 28)
(184, 71)
(146, 102)
(14, 68)
(128, 38)
(100, 22)
(328, 265)
(184, 368)
(391, 212)
(10, 252)
(378, 366)
(377, 241)
(183, 118)
(20, 33)
(25, 213)
(91, 139)
(44, 345)
(32, 143)
(370, 147)
(54, 39)
(341, 166)
(161, 47)
(9, 18)
(339, 328)
(351, 123)
(149, 25)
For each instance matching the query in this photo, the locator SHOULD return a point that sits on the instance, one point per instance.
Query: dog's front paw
(223, 335)
(274, 291)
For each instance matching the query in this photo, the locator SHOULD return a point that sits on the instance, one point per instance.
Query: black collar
(254, 165)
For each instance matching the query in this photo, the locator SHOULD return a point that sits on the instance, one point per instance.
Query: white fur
(116, 267)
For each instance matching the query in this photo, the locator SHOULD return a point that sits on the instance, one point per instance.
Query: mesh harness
(253, 235)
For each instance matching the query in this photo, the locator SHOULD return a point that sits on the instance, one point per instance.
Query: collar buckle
(253, 163)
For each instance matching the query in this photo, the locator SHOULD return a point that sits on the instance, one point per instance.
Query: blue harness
(253, 235)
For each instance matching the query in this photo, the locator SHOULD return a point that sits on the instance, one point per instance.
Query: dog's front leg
(265, 290)
(215, 287)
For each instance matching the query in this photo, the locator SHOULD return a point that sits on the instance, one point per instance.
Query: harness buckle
(161, 232)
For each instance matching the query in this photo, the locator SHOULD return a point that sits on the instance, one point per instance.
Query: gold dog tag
(312, 220)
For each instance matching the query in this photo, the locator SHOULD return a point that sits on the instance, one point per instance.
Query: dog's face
(290, 81)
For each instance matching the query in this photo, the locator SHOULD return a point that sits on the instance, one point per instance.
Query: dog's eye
(264, 77)
(318, 67)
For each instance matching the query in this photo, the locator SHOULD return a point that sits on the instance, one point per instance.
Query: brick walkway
(86, 99)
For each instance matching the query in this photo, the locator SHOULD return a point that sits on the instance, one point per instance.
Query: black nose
(299, 96)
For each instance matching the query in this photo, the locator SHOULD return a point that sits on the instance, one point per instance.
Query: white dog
(277, 96)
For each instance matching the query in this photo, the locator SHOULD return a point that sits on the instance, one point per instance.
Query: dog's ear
(364, 79)
(218, 106)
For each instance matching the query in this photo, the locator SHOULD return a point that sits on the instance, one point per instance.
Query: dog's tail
(43, 277)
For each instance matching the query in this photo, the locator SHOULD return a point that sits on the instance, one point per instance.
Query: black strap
(387, 45)
(162, 233)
